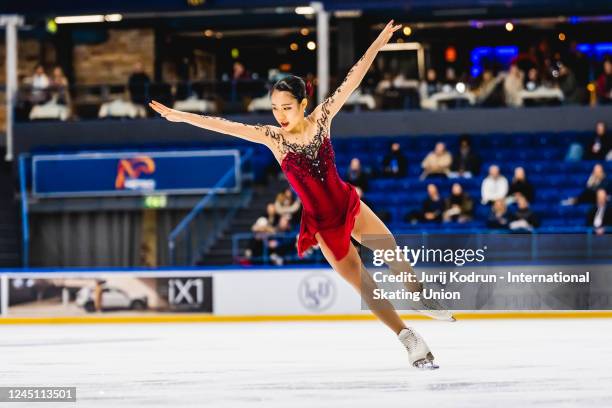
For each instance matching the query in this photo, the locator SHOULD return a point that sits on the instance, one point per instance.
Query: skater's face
(286, 109)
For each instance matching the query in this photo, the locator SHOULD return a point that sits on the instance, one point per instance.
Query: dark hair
(465, 138)
(294, 85)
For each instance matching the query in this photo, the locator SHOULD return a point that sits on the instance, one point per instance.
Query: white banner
(288, 292)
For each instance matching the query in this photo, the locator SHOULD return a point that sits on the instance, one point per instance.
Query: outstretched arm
(257, 133)
(332, 105)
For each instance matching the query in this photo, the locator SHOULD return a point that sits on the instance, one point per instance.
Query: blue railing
(194, 224)
(25, 224)
(264, 258)
(540, 248)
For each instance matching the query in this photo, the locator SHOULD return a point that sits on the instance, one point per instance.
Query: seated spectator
(281, 246)
(356, 176)
(432, 208)
(431, 85)
(385, 83)
(604, 83)
(458, 206)
(532, 81)
(494, 186)
(567, 84)
(513, 85)
(263, 227)
(600, 216)
(601, 145)
(40, 84)
(394, 163)
(523, 219)
(520, 185)
(466, 162)
(437, 163)
(596, 180)
(60, 87)
(138, 84)
(499, 218)
(450, 80)
(287, 204)
(486, 87)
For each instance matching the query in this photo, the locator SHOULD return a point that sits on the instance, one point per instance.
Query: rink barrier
(235, 295)
(206, 318)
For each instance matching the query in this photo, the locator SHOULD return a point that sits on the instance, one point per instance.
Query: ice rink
(484, 363)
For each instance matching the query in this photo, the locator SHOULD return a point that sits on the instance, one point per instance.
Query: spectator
(437, 163)
(394, 163)
(138, 84)
(520, 185)
(601, 144)
(450, 80)
(432, 208)
(600, 216)
(385, 83)
(596, 180)
(523, 218)
(239, 72)
(466, 162)
(567, 84)
(271, 215)
(263, 227)
(458, 206)
(60, 87)
(494, 186)
(281, 246)
(356, 176)
(513, 85)
(431, 85)
(40, 84)
(486, 87)
(604, 83)
(533, 81)
(286, 204)
(499, 218)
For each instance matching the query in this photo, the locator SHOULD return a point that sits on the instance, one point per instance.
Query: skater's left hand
(386, 34)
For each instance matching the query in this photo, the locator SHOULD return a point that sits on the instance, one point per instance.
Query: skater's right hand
(172, 115)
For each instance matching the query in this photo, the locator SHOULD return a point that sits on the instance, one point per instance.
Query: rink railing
(535, 253)
(191, 228)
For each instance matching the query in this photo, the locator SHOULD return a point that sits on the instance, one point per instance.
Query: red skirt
(335, 230)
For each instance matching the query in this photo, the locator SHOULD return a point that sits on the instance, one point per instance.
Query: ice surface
(484, 363)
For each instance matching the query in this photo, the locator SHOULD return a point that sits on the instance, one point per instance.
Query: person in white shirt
(40, 82)
(494, 186)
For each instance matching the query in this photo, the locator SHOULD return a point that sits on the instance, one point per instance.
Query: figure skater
(332, 211)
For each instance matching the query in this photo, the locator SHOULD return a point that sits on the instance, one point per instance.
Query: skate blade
(425, 364)
(445, 317)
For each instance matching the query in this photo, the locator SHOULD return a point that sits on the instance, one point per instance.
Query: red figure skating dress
(330, 205)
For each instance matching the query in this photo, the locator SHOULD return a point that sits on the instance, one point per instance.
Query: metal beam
(322, 50)
(10, 22)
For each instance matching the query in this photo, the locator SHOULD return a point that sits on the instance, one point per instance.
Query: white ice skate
(419, 355)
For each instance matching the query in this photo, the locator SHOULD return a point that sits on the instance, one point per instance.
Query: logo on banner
(129, 174)
(186, 292)
(317, 292)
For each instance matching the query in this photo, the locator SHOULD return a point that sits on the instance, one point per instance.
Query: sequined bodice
(316, 181)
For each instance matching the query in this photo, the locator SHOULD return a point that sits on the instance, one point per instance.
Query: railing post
(25, 224)
(4, 294)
